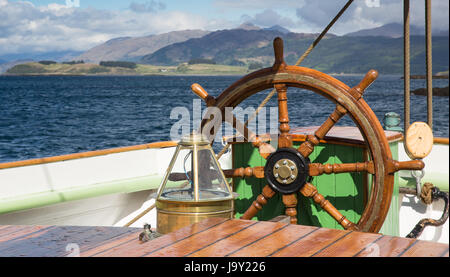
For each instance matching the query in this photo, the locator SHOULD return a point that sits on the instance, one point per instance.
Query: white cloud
(360, 15)
(152, 6)
(258, 4)
(27, 28)
(314, 15)
(268, 18)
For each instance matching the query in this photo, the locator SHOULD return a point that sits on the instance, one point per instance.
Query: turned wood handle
(201, 92)
(406, 165)
(370, 77)
(278, 50)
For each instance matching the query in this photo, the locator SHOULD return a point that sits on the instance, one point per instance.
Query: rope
(429, 65)
(436, 194)
(406, 66)
(140, 215)
(299, 61)
(317, 40)
(426, 193)
(263, 103)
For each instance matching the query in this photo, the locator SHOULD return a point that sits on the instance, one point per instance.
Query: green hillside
(34, 68)
(332, 55)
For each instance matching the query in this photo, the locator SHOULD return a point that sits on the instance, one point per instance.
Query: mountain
(278, 28)
(39, 56)
(7, 65)
(230, 47)
(334, 54)
(248, 26)
(133, 48)
(220, 46)
(394, 30)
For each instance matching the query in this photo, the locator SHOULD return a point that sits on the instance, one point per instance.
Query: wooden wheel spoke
(257, 172)
(260, 201)
(308, 190)
(307, 147)
(285, 139)
(265, 149)
(316, 169)
(290, 202)
(394, 166)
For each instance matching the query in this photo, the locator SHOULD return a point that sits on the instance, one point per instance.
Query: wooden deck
(212, 237)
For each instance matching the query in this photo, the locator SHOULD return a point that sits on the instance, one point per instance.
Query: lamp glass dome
(194, 174)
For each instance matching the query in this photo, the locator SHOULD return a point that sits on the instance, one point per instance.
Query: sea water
(42, 116)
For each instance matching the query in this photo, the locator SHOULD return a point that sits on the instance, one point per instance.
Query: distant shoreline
(58, 69)
(436, 91)
(82, 69)
(115, 75)
(424, 77)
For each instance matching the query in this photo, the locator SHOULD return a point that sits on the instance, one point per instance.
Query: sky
(60, 25)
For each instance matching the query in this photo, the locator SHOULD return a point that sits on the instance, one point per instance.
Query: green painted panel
(345, 190)
(391, 223)
(342, 190)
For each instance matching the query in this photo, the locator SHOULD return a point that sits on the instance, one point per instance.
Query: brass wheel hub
(285, 171)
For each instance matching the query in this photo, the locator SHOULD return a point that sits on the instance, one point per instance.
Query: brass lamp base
(173, 215)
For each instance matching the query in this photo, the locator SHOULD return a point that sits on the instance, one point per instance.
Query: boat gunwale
(153, 145)
(88, 154)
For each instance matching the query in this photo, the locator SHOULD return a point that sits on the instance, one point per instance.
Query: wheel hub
(286, 170)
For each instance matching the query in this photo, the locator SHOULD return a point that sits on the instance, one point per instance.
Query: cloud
(25, 27)
(152, 7)
(268, 18)
(370, 13)
(314, 15)
(28, 28)
(257, 4)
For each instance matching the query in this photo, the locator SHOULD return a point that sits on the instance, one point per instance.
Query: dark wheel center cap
(286, 170)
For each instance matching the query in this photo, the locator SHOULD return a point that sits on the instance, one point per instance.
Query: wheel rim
(348, 101)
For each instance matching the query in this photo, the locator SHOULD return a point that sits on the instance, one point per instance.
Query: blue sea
(42, 116)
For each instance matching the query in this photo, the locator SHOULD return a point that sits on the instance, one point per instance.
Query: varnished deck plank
(52, 241)
(135, 249)
(348, 245)
(228, 245)
(266, 246)
(425, 249)
(385, 246)
(199, 241)
(212, 237)
(309, 245)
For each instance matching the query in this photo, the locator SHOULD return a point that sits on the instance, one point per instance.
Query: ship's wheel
(288, 170)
